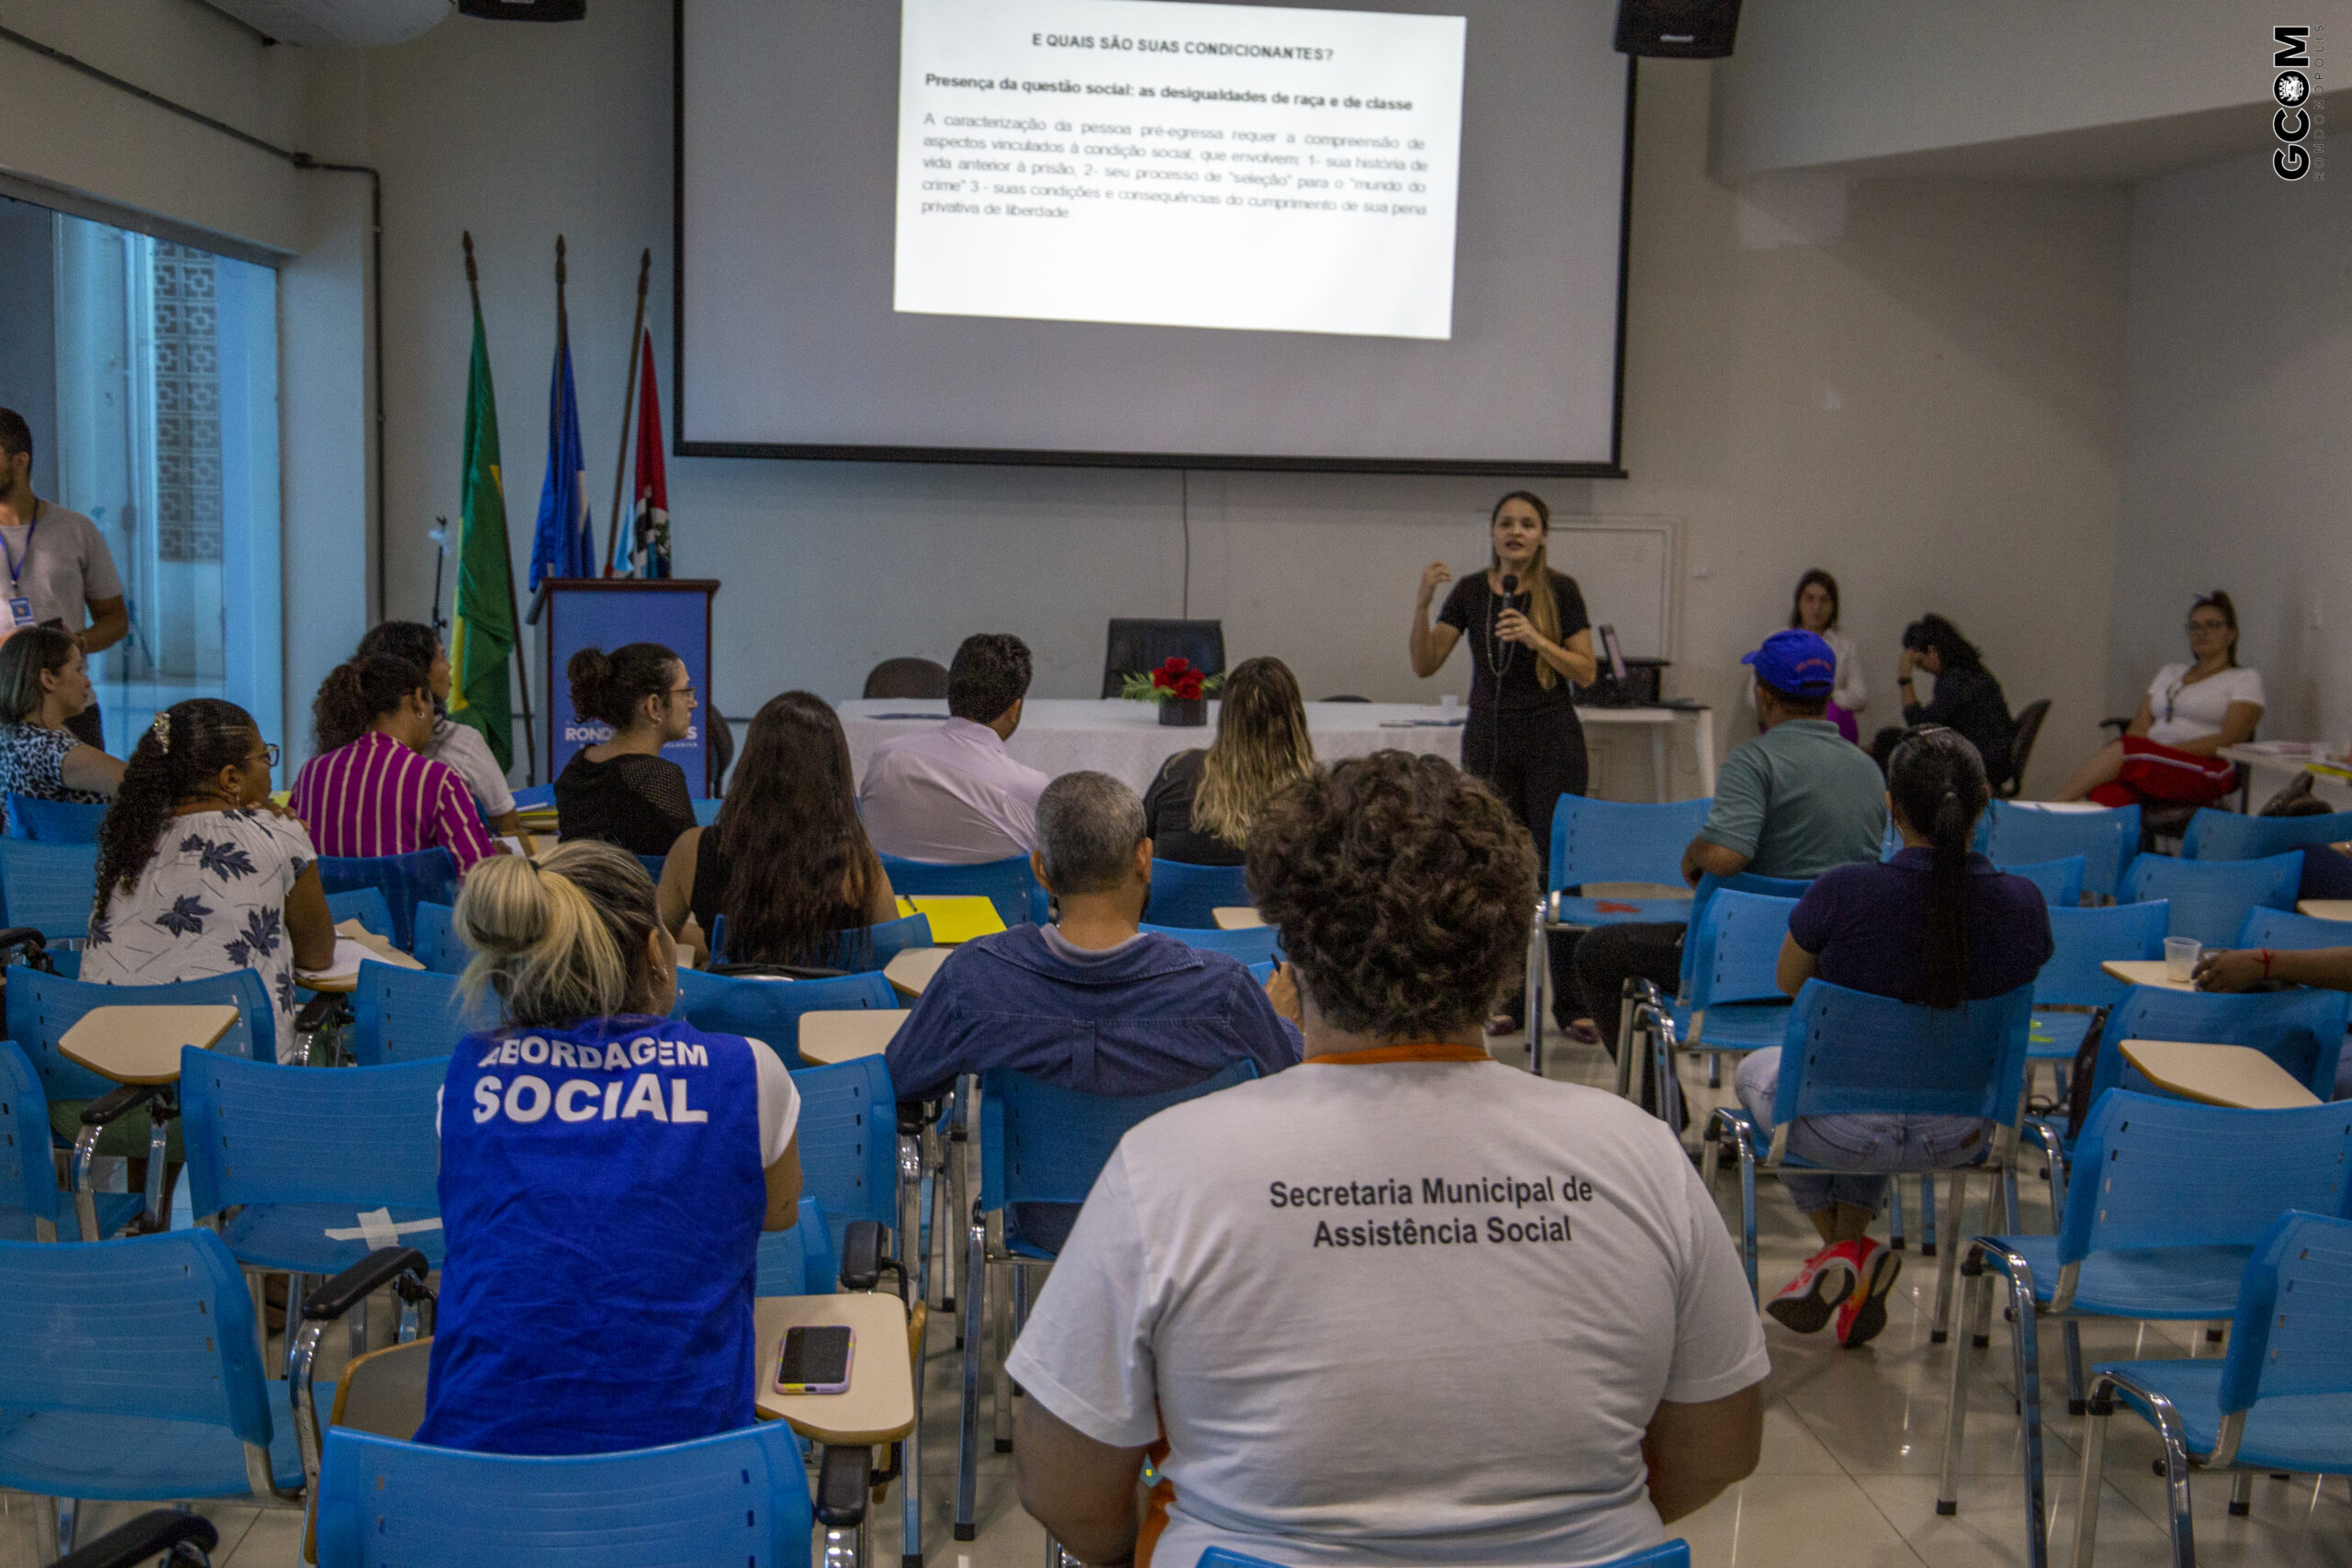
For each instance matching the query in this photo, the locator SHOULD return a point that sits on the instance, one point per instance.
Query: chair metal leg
(1895, 1211)
(1533, 1001)
(1956, 1404)
(2094, 1476)
(1627, 1074)
(1941, 1327)
(296, 1287)
(1000, 1330)
(2184, 1538)
(2242, 1494)
(1927, 1214)
(1747, 1147)
(1715, 1069)
(2026, 1346)
(967, 1444)
(911, 1471)
(2073, 1337)
(1710, 1155)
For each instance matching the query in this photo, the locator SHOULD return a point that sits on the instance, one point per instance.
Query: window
(148, 371)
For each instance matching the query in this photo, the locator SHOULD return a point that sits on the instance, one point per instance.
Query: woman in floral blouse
(197, 874)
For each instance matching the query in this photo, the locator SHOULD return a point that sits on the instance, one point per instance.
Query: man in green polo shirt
(1797, 800)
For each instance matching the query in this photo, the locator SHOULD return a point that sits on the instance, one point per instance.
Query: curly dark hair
(1401, 886)
(177, 758)
(357, 693)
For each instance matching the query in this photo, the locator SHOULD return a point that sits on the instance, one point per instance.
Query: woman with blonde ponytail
(605, 1173)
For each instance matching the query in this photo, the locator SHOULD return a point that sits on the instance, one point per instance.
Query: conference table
(1125, 740)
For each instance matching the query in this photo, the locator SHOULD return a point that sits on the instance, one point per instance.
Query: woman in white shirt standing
(2171, 753)
(1815, 610)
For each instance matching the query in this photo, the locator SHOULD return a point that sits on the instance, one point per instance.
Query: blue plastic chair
(1006, 883)
(2082, 940)
(405, 881)
(1607, 840)
(2296, 933)
(874, 946)
(47, 886)
(849, 1145)
(1673, 1554)
(537, 798)
(54, 821)
(407, 1015)
(31, 1207)
(1262, 973)
(1256, 944)
(1731, 1000)
(2278, 1400)
(135, 1374)
(771, 1009)
(1041, 1148)
(2301, 1030)
(2229, 835)
(2023, 835)
(2210, 897)
(2182, 1192)
(2061, 881)
(740, 1498)
(438, 946)
(706, 812)
(1847, 1051)
(800, 1261)
(1186, 895)
(41, 1007)
(307, 1152)
(365, 905)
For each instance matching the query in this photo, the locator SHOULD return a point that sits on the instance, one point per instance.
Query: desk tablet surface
(910, 971)
(954, 917)
(1237, 917)
(2218, 1074)
(2143, 972)
(880, 1406)
(141, 1043)
(830, 1037)
(2326, 910)
(354, 944)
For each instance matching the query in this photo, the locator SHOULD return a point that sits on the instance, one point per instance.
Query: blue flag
(564, 544)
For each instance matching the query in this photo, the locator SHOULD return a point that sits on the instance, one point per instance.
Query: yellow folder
(954, 917)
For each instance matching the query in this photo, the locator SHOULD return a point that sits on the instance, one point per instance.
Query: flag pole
(628, 406)
(522, 660)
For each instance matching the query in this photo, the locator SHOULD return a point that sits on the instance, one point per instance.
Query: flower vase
(1185, 713)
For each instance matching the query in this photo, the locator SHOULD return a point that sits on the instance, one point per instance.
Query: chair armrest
(861, 1255)
(109, 1109)
(362, 1280)
(144, 1539)
(34, 945)
(840, 1486)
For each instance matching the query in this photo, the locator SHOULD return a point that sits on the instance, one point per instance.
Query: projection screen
(1385, 234)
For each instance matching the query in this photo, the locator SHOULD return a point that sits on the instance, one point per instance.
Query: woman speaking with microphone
(1529, 641)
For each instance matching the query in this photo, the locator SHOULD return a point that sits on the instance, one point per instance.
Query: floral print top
(214, 899)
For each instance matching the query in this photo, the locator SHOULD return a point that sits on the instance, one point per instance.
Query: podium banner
(607, 612)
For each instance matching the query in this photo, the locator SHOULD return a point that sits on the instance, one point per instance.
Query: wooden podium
(574, 612)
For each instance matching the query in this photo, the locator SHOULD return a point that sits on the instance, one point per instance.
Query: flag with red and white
(649, 547)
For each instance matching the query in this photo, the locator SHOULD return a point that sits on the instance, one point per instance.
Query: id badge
(20, 613)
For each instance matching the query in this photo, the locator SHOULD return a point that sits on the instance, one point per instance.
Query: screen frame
(1614, 469)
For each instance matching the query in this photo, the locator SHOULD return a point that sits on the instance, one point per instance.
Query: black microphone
(1511, 587)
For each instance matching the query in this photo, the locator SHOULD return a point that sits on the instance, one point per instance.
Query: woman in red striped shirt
(371, 791)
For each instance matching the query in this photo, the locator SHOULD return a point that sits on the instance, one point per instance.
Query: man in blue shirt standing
(1793, 802)
(1091, 1003)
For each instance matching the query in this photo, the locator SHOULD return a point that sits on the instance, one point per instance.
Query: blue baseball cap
(1797, 662)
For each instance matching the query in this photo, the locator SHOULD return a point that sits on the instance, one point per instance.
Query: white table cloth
(1126, 739)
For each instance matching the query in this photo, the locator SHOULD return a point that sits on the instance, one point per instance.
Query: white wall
(1926, 406)
(2237, 466)
(1828, 82)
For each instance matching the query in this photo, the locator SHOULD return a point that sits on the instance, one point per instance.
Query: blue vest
(603, 1194)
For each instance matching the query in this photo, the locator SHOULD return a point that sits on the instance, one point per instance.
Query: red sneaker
(1806, 1302)
(1863, 1314)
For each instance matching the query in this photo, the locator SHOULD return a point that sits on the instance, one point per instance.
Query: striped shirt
(376, 796)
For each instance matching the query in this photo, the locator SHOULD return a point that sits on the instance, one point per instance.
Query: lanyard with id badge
(20, 608)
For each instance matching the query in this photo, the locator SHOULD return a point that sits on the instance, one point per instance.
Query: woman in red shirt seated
(371, 790)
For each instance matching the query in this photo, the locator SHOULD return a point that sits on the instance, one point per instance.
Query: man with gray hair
(1090, 1002)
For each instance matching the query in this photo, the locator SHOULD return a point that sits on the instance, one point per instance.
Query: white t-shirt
(1413, 1311)
(461, 747)
(779, 1103)
(2185, 712)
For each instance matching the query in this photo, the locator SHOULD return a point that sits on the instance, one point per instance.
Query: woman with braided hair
(198, 875)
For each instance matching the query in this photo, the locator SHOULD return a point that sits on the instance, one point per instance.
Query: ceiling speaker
(532, 10)
(1676, 29)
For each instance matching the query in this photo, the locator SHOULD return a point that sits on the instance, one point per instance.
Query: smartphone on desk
(815, 1359)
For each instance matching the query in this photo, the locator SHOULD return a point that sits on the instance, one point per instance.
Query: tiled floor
(1852, 1441)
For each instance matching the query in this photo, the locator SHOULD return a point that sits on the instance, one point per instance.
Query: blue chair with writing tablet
(2227, 835)
(54, 821)
(1252, 945)
(2210, 899)
(2015, 834)
(1007, 883)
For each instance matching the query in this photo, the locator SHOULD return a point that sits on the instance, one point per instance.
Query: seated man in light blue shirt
(1793, 802)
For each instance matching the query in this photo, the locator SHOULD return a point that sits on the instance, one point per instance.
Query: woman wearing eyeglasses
(623, 790)
(2171, 753)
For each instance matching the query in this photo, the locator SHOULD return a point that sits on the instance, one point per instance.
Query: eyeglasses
(269, 753)
(2195, 626)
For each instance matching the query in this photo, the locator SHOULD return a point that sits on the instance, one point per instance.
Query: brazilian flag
(484, 634)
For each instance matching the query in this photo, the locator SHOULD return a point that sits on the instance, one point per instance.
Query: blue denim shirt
(1153, 1016)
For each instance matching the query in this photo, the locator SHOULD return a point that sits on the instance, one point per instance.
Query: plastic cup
(2180, 958)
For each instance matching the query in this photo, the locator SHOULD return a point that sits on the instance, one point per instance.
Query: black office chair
(1137, 648)
(907, 678)
(2021, 739)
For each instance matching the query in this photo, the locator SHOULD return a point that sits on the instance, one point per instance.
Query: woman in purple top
(1935, 925)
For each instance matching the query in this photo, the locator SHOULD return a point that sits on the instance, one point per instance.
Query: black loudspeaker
(1676, 29)
(553, 10)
